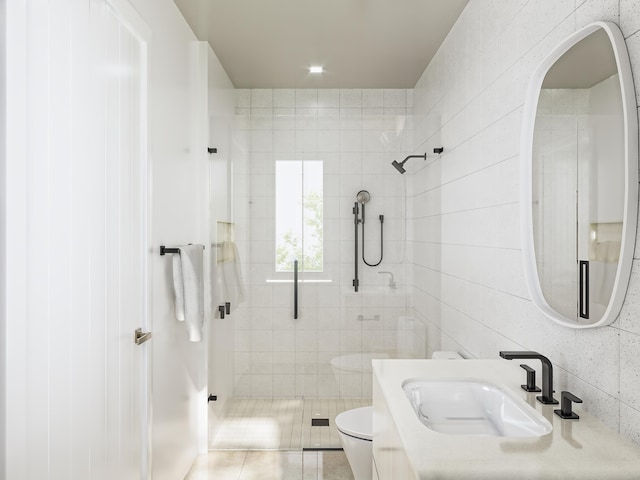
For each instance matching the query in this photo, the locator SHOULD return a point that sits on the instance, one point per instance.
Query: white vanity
(405, 448)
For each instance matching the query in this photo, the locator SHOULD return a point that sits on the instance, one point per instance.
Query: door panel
(122, 81)
(76, 211)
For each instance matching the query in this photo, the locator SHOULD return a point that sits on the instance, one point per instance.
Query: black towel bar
(164, 250)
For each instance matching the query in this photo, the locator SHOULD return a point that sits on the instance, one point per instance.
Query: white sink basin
(469, 407)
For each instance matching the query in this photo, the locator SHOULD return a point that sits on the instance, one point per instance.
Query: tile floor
(280, 424)
(264, 439)
(271, 465)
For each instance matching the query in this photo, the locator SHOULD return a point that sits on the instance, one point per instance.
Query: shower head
(400, 166)
(363, 196)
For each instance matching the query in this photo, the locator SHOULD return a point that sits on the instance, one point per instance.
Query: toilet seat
(357, 423)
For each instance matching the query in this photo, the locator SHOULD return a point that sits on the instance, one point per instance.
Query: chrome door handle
(141, 337)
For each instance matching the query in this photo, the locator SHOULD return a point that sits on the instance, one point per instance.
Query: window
(299, 215)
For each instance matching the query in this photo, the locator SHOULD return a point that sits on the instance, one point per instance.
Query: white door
(77, 385)
(122, 86)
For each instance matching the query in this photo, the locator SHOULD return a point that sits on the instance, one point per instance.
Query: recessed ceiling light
(315, 69)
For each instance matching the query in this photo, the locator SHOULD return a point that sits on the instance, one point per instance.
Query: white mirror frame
(631, 168)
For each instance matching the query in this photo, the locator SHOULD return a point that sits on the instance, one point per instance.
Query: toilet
(355, 428)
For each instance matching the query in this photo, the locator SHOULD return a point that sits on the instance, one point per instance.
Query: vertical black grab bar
(295, 289)
(584, 289)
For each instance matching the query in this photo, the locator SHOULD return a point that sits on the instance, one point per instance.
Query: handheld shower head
(363, 197)
(400, 166)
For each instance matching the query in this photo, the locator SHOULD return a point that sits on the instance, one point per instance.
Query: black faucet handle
(531, 379)
(567, 398)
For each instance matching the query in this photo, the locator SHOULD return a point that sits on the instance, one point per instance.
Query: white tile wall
(629, 17)
(357, 133)
(464, 243)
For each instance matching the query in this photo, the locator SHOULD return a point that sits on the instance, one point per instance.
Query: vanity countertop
(575, 449)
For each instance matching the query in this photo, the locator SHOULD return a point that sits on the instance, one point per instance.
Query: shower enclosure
(305, 154)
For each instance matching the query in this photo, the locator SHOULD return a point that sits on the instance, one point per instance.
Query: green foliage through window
(299, 216)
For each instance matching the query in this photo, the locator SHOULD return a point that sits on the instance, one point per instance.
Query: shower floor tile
(280, 424)
(271, 465)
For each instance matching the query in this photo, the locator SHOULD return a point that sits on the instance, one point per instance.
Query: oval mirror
(579, 178)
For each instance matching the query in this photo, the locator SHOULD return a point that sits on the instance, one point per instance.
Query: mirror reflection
(578, 179)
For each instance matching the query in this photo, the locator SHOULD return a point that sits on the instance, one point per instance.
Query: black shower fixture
(362, 198)
(400, 165)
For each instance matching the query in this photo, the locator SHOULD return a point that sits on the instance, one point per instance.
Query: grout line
(468, 174)
(467, 281)
(455, 212)
(488, 247)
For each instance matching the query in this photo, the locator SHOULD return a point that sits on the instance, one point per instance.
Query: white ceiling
(360, 43)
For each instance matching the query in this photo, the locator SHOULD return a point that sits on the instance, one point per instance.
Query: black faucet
(547, 374)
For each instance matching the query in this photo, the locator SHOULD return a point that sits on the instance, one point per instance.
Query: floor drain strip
(322, 449)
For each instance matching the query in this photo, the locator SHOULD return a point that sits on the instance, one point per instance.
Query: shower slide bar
(362, 198)
(356, 281)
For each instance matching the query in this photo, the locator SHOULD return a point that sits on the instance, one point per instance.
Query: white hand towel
(189, 289)
(178, 287)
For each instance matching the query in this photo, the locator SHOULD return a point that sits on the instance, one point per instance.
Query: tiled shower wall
(326, 352)
(465, 248)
